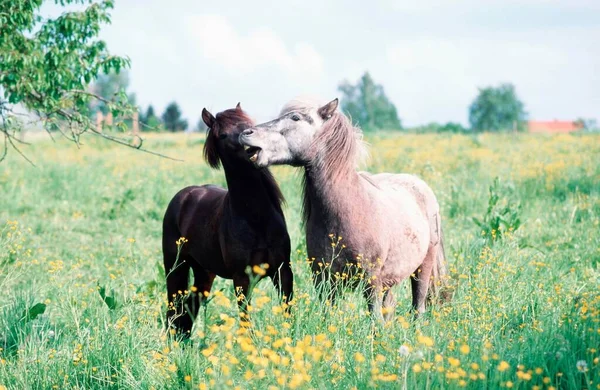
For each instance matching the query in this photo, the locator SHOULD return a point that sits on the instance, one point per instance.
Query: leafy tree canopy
(497, 108)
(368, 106)
(46, 66)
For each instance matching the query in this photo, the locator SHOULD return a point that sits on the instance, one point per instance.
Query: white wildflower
(581, 366)
(404, 350)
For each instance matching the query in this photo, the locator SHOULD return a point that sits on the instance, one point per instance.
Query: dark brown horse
(227, 232)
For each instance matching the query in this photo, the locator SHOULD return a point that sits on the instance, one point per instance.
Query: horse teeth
(254, 157)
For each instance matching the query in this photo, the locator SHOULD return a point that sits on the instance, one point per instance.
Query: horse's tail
(439, 286)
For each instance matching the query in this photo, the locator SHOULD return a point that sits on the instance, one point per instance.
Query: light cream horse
(389, 223)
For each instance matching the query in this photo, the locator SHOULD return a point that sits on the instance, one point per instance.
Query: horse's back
(192, 197)
(193, 212)
(402, 184)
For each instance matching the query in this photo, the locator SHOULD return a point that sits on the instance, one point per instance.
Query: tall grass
(80, 238)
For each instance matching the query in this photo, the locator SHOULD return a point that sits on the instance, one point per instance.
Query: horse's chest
(341, 247)
(240, 241)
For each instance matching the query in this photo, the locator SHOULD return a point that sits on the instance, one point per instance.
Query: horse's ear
(239, 106)
(327, 110)
(208, 118)
(210, 145)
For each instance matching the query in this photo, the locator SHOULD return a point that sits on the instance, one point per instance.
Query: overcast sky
(430, 56)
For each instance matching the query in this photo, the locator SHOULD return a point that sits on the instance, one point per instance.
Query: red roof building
(554, 126)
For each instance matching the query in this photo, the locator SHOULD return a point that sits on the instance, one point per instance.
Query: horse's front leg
(283, 280)
(241, 284)
(374, 295)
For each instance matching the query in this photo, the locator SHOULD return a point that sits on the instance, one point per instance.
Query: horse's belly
(409, 237)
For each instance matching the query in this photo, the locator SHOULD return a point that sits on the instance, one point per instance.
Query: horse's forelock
(302, 104)
(232, 117)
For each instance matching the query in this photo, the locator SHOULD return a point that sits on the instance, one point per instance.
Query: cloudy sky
(430, 56)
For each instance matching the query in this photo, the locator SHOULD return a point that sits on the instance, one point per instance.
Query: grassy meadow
(83, 294)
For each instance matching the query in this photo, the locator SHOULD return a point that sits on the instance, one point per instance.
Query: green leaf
(34, 311)
(110, 301)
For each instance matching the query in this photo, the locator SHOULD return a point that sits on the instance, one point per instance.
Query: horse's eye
(295, 118)
(222, 136)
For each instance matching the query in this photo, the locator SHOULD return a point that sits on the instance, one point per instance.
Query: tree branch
(117, 140)
(18, 150)
(91, 94)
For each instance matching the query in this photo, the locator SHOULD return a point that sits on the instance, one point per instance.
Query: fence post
(135, 123)
(109, 119)
(99, 118)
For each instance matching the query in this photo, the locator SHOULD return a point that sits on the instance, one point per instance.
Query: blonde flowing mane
(337, 148)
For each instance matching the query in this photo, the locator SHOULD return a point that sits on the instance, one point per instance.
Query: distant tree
(172, 118)
(434, 127)
(150, 120)
(497, 108)
(587, 124)
(148, 114)
(368, 106)
(452, 127)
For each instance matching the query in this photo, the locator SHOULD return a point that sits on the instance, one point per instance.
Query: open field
(525, 313)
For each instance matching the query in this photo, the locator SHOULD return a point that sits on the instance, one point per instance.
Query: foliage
(107, 86)
(172, 119)
(589, 124)
(525, 310)
(449, 127)
(110, 300)
(47, 64)
(368, 106)
(150, 120)
(496, 109)
(16, 322)
(502, 216)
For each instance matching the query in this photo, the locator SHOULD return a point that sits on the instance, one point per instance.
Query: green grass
(526, 306)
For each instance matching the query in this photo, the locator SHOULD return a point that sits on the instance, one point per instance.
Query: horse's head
(289, 138)
(222, 137)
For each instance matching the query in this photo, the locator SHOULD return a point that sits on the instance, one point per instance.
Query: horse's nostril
(248, 132)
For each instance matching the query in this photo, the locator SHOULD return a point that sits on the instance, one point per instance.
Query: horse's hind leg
(420, 281)
(374, 296)
(241, 285)
(203, 281)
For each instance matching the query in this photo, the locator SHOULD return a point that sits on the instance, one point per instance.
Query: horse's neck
(334, 202)
(247, 192)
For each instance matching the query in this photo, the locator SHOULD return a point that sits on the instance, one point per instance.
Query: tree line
(58, 69)
(493, 109)
(365, 102)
